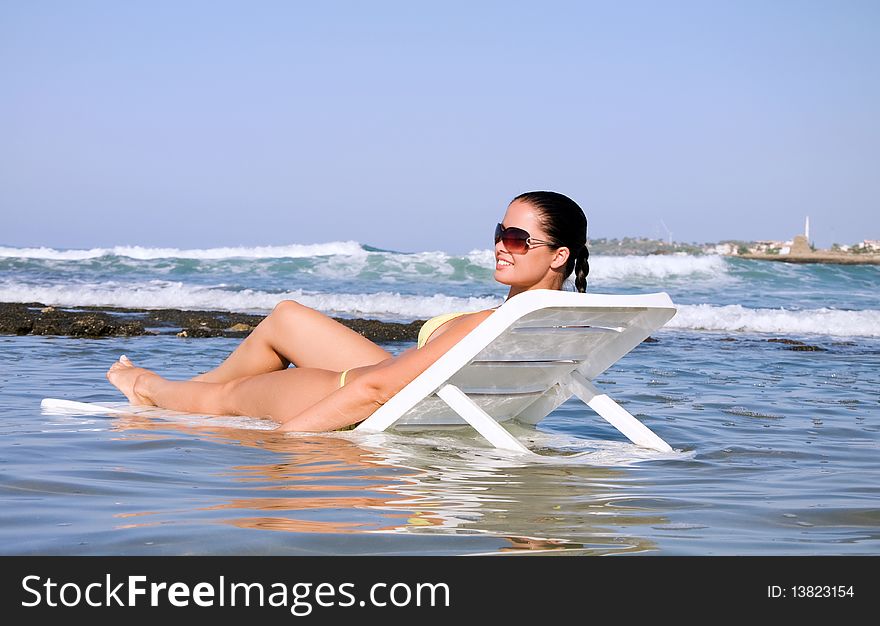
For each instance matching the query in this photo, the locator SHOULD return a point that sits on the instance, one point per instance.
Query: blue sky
(410, 125)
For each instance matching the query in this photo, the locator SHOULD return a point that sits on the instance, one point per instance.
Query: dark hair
(566, 225)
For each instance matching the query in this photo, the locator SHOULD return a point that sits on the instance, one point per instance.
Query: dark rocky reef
(34, 318)
(797, 346)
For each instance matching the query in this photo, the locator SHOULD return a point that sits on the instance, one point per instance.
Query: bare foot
(123, 375)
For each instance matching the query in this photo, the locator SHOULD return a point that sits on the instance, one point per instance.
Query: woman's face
(535, 268)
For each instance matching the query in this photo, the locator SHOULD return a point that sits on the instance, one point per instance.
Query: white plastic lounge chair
(531, 355)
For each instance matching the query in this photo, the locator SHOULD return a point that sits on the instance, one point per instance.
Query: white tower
(807, 228)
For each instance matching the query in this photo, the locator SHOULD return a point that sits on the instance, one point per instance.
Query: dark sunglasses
(516, 240)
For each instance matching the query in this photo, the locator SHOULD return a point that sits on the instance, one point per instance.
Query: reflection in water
(433, 483)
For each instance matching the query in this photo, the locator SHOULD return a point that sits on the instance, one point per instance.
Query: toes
(117, 367)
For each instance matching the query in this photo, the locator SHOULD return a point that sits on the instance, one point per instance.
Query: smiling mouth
(503, 263)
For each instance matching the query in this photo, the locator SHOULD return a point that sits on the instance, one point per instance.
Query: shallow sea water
(776, 454)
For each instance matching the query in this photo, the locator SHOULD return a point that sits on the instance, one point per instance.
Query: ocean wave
(340, 259)
(656, 267)
(405, 307)
(606, 269)
(159, 294)
(291, 251)
(737, 318)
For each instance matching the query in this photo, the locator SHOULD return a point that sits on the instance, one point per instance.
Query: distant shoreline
(816, 257)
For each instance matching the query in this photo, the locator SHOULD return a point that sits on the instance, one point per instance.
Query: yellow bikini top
(435, 322)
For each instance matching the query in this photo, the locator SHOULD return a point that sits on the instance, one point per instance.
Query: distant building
(770, 246)
(723, 249)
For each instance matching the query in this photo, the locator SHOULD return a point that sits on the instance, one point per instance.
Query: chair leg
(482, 422)
(616, 415)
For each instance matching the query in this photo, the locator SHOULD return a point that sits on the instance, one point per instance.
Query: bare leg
(294, 333)
(276, 395)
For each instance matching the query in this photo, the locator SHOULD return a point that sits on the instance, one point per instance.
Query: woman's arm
(359, 399)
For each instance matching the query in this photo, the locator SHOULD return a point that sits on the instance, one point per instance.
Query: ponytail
(581, 269)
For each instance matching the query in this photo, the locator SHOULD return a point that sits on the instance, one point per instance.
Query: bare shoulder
(460, 326)
(479, 316)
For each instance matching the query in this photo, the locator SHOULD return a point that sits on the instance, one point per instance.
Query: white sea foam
(168, 294)
(292, 251)
(656, 267)
(614, 269)
(348, 258)
(392, 305)
(418, 263)
(483, 258)
(389, 267)
(736, 318)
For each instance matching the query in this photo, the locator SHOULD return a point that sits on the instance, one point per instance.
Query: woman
(539, 243)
